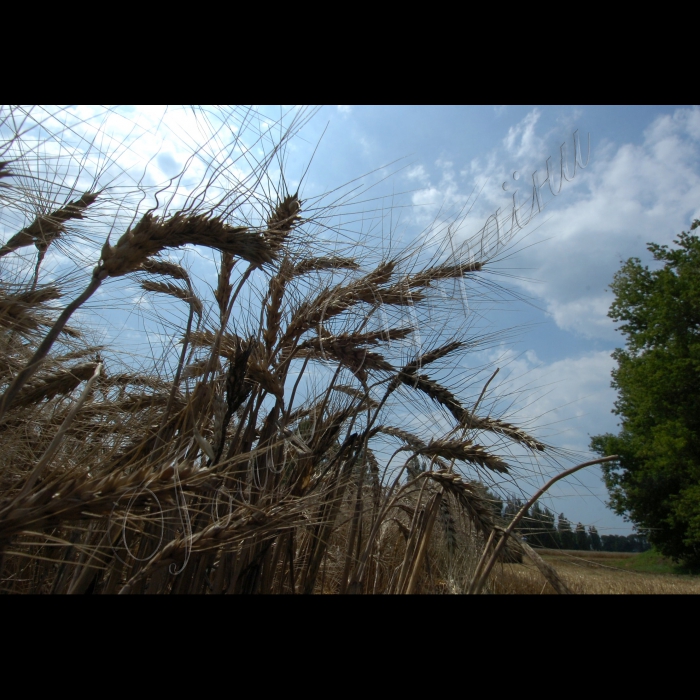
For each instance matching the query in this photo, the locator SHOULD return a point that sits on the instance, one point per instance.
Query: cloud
(563, 403)
(522, 140)
(629, 194)
(587, 317)
(567, 398)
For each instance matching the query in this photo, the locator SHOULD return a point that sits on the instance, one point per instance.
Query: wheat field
(254, 437)
(590, 573)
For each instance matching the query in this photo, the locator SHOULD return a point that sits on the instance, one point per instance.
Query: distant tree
(414, 467)
(639, 543)
(656, 482)
(611, 543)
(567, 539)
(596, 544)
(511, 509)
(541, 530)
(582, 540)
(620, 543)
(494, 501)
(550, 536)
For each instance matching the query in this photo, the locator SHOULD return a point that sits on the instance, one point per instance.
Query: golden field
(591, 573)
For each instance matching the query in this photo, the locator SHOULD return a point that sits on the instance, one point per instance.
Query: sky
(641, 183)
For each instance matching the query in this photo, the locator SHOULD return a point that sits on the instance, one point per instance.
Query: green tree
(567, 539)
(656, 482)
(596, 544)
(541, 530)
(494, 501)
(582, 540)
(512, 506)
(414, 467)
(549, 536)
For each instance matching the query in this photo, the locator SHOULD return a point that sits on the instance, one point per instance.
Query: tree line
(540, 527)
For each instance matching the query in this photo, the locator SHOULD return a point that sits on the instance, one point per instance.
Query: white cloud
(417, 172)
(569, 398)
(628, 195)
(588, 317)
(522, 141)
(562, 403)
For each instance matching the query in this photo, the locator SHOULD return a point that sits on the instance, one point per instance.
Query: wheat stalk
(45, 229)
(247, 465)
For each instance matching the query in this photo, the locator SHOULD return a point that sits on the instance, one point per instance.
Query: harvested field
(591, 573)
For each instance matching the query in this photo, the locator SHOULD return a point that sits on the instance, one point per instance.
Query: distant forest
(539, 529)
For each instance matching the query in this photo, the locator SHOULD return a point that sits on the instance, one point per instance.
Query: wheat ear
(55, 443)
(45, 229)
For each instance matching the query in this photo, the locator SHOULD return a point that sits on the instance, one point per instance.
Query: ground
(598, 572)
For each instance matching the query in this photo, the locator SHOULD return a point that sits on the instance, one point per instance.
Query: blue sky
(641, 184)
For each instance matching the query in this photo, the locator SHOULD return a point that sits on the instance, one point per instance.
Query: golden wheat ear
(222, 294)
(229, 344)
(410, 439)
(273, 307)
(5, 171)
(47, 228)
(495, 425)
(172, 290)
(63, 382)
(151, 235)
(282, 220)
(22, 312)
(322, 264)
(165, 267)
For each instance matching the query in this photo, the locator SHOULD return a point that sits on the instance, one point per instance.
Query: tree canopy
(656, 482)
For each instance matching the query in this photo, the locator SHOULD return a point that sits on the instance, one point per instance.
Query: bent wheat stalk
(55, 443)
(477, 585)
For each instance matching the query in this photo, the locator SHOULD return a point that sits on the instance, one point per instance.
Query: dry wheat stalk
(235, 528)
(305, 507)
(409, 438)
(222, 294)
(163, 267)
(356, 339)
(465, 452)
(174, 291)
(283, 219)
(17, 310)
(464, 417)
(440, 272)
(46, 228)
(153, 234)
(5, 171)
(229, 344)
(426, 358)
(334, 301)
(364, 399)
(62, 383)
(322, 264)
(274, 305)
(195, 369)
(357, 360)
(125, 379)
